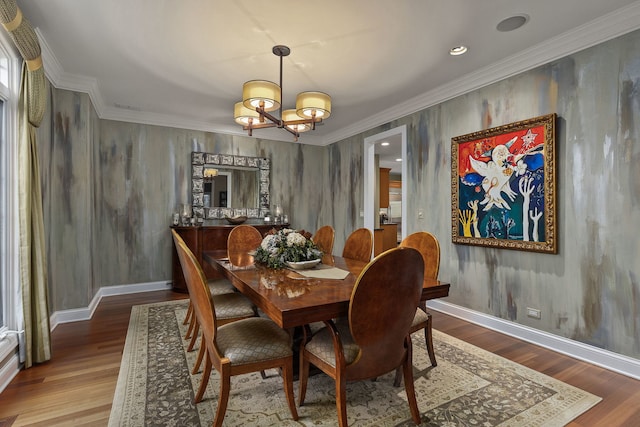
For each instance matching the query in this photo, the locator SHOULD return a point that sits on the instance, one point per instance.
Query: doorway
(397, 139)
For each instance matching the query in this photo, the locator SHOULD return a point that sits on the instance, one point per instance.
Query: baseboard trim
(9, 361)
(606, 359)
(78, 314)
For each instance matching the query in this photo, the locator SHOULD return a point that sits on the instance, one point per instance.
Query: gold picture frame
(503, 186)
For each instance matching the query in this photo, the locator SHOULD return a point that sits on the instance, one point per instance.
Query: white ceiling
(183, 63)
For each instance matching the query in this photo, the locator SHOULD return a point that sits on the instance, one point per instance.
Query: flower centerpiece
(286, 246)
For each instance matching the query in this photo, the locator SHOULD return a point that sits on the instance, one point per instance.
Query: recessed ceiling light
(458, 50)
(384, 144)
(398, 160)
(512, 23)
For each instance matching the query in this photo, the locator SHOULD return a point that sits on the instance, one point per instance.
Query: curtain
(32, 256)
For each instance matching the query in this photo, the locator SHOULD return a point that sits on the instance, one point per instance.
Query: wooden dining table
(289, 298)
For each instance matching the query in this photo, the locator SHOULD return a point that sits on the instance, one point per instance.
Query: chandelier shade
(313, 104)
(260, 97)
(243, 115)
(294, 122)
(255, 92)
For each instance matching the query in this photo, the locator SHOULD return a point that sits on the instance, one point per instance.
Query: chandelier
(260, 97)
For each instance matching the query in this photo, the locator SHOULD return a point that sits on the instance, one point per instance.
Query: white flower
(295, 239)
(268, 242)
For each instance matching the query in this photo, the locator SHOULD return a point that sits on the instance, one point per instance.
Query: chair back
(242, 240)
(359, 245)
(429, 247)
(381, 310)
(324, 239)
(199, 293)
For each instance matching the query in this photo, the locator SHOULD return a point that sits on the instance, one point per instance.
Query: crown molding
(60, 79)
(606, 27)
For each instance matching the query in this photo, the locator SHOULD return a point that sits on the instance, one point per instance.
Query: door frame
(370, 177)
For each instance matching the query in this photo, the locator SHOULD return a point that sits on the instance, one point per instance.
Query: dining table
(293, 297)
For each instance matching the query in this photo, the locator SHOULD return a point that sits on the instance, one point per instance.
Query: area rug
(469, 387)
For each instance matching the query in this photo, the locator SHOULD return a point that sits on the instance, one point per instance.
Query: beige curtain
(33, 274)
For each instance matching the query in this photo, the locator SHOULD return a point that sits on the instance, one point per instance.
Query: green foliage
(284, 246)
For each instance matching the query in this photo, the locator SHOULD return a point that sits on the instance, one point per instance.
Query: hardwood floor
(76, 388)
(620, 405)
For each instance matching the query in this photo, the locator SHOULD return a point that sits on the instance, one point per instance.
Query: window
(10, 311)
(3, 207)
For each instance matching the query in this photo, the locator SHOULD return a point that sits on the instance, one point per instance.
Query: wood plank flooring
(76, 388)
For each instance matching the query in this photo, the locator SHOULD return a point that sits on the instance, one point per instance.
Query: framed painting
(503, 191)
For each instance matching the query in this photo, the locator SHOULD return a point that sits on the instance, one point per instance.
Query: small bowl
(235, 220)
(303, 265)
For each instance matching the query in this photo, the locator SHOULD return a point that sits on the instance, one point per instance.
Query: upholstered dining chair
(229, 307)
(217, 287)
(375, 338)
(324, 239)
(429, 247)
(242, 240)
(240, 347)
(359, 245)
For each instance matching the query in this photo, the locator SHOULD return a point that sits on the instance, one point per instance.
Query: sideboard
(205, 238)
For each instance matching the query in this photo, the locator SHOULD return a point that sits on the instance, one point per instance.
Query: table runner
(321, 271)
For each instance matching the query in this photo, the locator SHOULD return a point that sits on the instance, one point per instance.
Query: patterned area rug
(469, 387)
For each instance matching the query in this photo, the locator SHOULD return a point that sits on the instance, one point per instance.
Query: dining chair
(217, 287)
(324, 239)
(243, 240)
(375, 338)
(240, 347)
(359, 245)
(229, 307)
(429, 247)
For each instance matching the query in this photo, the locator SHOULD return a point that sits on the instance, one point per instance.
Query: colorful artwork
(503, 186)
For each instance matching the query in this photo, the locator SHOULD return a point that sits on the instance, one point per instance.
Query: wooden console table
(206, 238)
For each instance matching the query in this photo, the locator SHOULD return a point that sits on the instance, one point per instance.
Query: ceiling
(183, 63)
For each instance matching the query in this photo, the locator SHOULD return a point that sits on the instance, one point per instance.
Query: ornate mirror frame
(198, 162)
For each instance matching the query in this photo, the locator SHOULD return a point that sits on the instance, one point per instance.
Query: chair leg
(194, 336)
(223, 398)
(287, 379)
(192, 324)
(428, 337)
(206, 372)
(303, 376)
(398, 379)
(341, 400)
(201, 353)
(407, 368)
(188, 315)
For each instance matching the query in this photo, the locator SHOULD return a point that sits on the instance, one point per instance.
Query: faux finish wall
(110, 187)
(590, 290)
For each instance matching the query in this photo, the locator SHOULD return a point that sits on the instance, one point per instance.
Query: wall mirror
(224, 185)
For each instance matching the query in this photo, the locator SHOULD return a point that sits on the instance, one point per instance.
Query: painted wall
(590, 290)
(110, 188)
